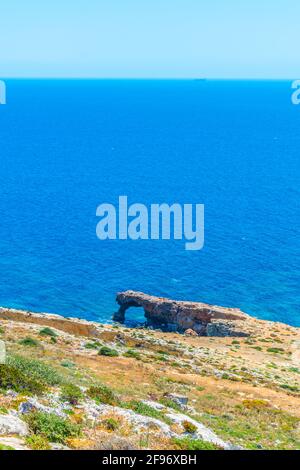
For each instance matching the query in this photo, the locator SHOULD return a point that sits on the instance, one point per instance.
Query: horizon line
(151, 78)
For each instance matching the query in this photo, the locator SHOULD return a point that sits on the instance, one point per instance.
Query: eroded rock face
(173, 315)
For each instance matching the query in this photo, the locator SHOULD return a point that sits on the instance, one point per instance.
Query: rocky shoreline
(190, 318)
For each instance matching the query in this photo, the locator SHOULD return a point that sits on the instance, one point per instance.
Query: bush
(52, 427)
(146, 410)
(48, 332)
(2, 447)
(112, 442)
(71, 393)
(187, 443)
(275, 350)
(170, 403)
(103, 394)
(106, 351)
(189, 427)
(67, 364)
(91, 345)
(36, 442)
(132, 353)
(110, 424)
(33, 343)
(36, 369)
(15, 379)
(255, 404)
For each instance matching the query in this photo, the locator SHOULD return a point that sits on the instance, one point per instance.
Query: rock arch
(173, 315)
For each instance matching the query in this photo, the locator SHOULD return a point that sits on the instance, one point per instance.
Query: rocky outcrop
(10, 424)
(174, 315)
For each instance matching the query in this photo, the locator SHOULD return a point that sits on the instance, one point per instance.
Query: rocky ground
(70, 384)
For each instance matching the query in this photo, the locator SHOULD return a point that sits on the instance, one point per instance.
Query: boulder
(11, 424)
(190, 332)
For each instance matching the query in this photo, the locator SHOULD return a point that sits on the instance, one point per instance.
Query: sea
(68, 146)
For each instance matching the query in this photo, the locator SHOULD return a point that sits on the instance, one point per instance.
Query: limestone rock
(11, 424)
(180, 400)
(190, 332)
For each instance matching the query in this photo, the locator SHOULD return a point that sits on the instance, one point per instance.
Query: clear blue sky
(150, 38)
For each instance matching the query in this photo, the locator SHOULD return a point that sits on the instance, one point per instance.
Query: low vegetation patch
(111, 424)
(36, 369)
(36, 442)
(187, 443)
(132, 353)
(52, 427)
(275, 350)
(143, 409)
(48, 332)
(71, 393)
(189, 427)
(106, 351)
(28, 341)
(13, 378)
(103, 394)
(2, 447)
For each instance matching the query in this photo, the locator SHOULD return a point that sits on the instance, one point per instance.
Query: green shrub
(187, 443)
(1, 331)
(48, 332)
(36, 369)
(110, 424)
(36, 442)
(106, 351)
(2, 447)
(15, 379)
(91, 345)
(132, 353)
(146, 410)
(170, 403)
(52, 427)
(68, 364)
(189, 427)
(275, 350)
(33, 343)
(291, 388)
(162, 352)
(103, 394)
(71, 393)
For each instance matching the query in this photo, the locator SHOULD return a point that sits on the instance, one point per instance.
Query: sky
(150, 38)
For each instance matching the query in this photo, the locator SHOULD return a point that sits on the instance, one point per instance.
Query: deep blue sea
(68, 146)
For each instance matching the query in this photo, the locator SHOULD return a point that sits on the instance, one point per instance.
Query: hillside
(70, 383)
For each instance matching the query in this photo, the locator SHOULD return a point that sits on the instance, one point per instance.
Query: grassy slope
(244, 389)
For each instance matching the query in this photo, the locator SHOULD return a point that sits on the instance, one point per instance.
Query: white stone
(10, 424)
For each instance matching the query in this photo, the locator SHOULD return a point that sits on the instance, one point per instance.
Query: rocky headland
(173, 315)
